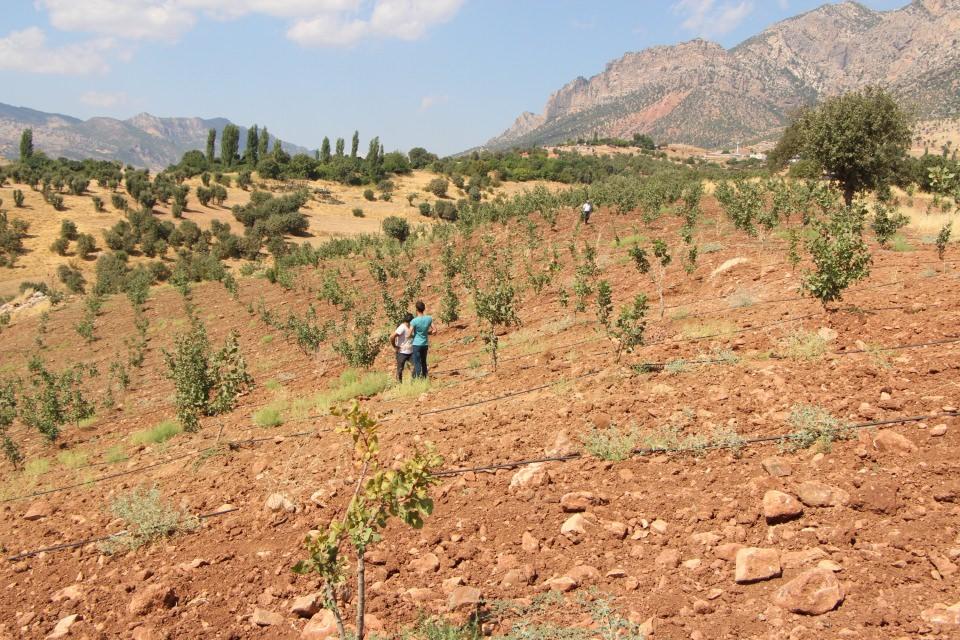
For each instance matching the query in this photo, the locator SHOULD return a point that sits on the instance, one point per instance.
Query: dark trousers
(420, 361)
(402, 359)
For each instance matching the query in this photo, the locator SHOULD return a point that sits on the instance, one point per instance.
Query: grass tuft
(611, 443)
(813, 425)
(158, 434)
(707, 328)
(72, 459)
(269, 416)
(804, 345)
(36, 466)
(409, 389)
(116, 454)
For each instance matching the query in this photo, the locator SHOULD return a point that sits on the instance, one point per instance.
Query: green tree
(26, 145)
(250, 155)
(263, 145)
(355, 145)
(211, 146)
(859, 138)
(420, 157)
(839, 253)
(396, 227)
(373, 159)
(325, 150)
(229, 145)
(340, 147)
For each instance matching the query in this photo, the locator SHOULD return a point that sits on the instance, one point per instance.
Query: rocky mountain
(143, 140)
(700, 93)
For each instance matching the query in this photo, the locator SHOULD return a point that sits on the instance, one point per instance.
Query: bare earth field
(870, 524)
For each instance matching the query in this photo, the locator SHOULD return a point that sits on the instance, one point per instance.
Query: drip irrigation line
(86, 541)
(899, 347)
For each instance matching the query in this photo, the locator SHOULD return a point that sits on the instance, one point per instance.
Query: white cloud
(707, 18)
(27, 50)
(428, 102)
(312, 22)
(103, 100)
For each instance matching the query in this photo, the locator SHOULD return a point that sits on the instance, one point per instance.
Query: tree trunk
(336, 612)
(361, 595)
(848, 192)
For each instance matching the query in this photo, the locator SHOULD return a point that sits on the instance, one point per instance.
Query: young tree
(631, 324)
(374, 161)
(325, 151)
(859, 138)
(659, 271)
(250, 155)
(942, 239)
(211, 146)
(26, 145)
(382, 492)
(355, 145)
(839, 253)
(495, 301)
(229, 144)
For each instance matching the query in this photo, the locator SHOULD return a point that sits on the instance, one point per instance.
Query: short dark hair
(420, 306)
(407, 317)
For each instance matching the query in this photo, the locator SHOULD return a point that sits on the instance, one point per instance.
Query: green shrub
(425, 209)
(358, 212)
(438, 187)
(396, 227)
(813, 425)
(157, 434)
(60, 246)
(267, 417)
(72, 278)
(369, 195)
(85, 245)
(840, 255)
(17, 198)
(610, 443)
(147, 518)
(97, 204)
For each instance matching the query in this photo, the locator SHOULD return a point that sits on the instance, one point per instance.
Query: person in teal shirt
(422, 327)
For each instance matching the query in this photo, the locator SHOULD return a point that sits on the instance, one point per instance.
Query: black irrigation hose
(81, 543)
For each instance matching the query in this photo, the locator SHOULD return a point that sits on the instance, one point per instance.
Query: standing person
(585, 212)
(403, 344)
(422, 327)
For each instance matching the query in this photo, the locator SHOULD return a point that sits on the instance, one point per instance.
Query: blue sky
(444, 74)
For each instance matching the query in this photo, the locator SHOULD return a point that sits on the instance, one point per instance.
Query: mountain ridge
(697, 92)
(143, 140)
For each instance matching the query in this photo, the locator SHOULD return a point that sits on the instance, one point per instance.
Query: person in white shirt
(403, 344)
(585, 212)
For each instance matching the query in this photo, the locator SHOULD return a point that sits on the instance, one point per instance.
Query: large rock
(575, 525)
(322, 626)
(428, 563)
(62, 628)
(777, 467)
(464, 599)
(811, 593)
(561, 584)
(755, 564)
(942, 614)
(73, 592)
(279, 502)
(38, 510)
(893, 442)
(150, 598)
(818, 494)
(264, 618)
(780, 507)
(578, 501)
(534, 475)
(306, 606)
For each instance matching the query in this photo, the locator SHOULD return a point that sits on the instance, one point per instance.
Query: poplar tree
(263, 147)
(340, 147)
(355, 145)
(229, 144)
(325, 150)
(253, 141)
(211, 145)
(26, 145)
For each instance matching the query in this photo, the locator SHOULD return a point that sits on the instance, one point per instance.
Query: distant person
(403, 344)
(585, 212)
(422, 327)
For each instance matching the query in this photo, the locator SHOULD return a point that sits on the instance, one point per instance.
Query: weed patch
(409, 389)
(706, 329)
(269, 416)
(813, 425)
(611, 443)
(158, 434)
(803, 345)
(148, 519)
(72, 459)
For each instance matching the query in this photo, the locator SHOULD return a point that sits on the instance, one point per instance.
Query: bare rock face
(812, 593)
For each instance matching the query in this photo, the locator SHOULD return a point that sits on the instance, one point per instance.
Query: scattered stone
(419, 595)
(73, 592)
(528, 543)
(668, 559)
(307, 606)
(755, 564)
(150, 598)
(518, 577)
(464, 598)
(829, 565)
(577, 501)
(264, 618)
(616, 572)
(780, 507)
(428, 563)
(942, 614)
(583, 573)
(658, 526)
(938, 430)
(728, 551)
(879, 495)
(562, 445)
(279, 502)
(62, 628)
(322, 626)
(893, 442)
(818, 494)
(38, 510)
(702, 607)
(534, 475)
(777, 467)
(812, 593)
(942, 564)
(562, 584)
(576, 525)
(616, 530)
(797, 559)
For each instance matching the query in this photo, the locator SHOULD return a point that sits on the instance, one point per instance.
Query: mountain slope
(700, 93)
(143, 140)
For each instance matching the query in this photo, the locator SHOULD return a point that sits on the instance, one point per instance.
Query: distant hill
(143, 140)
(702, 94)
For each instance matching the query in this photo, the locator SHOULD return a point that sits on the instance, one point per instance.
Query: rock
(428, 563)
(867, 411)
(264, 618)
(668, 559)
(306, 606)
(818, 494)
(702, 607)
(780, 507)
(562, 445)
(562, 584)
(658, 526)
(893, 442)
(942, 564)
(797, 559)
(518, 577)
(776, 467)
(528, 543)
(616, 530)
(728, 551)
(279, 502)
(419, 595)
(829, 565)
(73, 592)
(938, 430)
(584, 573)
(144, 633)
(150, 598)
(322, 626)
(38, 510)
(575, 525)
(942, 614)
(464, 598)
(577, 501)
(879, 495)
(376, 557)
(811, 593)
(534, 475)
(755, 564)
(63, 625)
(827, 334)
